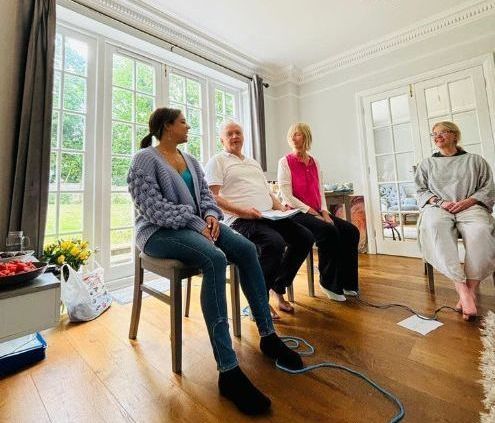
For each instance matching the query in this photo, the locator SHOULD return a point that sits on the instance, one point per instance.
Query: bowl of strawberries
(16, 272)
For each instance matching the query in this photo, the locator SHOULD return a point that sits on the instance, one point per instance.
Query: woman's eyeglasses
(441, 133)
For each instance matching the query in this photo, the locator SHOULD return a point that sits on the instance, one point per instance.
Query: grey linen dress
(456, 178)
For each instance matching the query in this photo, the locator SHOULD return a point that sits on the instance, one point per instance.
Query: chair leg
(188, 297)
(236, 302)
(176, 323)
(138, 297)
(431, 280)
(311, 273)
(290, 292)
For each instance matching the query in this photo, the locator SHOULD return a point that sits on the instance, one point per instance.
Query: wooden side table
(29, 308)
(337, 198)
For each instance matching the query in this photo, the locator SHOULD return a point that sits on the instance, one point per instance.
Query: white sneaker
(332, 295)
(351, 293)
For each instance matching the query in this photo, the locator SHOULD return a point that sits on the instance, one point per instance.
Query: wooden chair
(311, 278)
(431, 277)
(175, 271)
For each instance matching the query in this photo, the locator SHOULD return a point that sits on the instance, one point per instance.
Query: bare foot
(467, 301)
(274, 314)
(458, 306)
(283, 304)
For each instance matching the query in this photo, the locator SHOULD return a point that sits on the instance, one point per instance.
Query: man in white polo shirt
(241, 190)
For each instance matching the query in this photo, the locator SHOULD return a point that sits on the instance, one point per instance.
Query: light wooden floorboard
(93, 373)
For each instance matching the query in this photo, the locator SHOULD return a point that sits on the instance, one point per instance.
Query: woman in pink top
(301, 187)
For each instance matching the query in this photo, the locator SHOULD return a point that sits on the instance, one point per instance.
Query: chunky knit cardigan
(161, 196)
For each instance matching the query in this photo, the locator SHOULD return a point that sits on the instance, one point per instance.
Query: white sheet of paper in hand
(278, 214)
(421, 326)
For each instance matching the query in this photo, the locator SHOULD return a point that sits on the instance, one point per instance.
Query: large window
(69, 159)
(100, 114)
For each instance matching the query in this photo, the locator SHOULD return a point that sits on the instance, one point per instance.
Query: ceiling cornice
(146, 18)
(430, 27)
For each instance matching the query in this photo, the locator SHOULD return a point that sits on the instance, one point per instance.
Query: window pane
(123, 104)
(74, 93)
(219, 104)
(54, 134)
(194, 146)
(120, 168)
(73, 131)
(145, 77)
(194, 120)
(193, 93)
(76, 56)
(229, 105)
(71, 173)
(389, 198)
(121, 245)
(58, 51)
(405, 163)
(385, 168)
(462, 94)
(379, 111)
(122, 212)
(399, 107)
(71, 213)
(53, 170)
(177, 88)
(144, 107)
(402, 138)
(468, 124)
(141, 132)
(121, 138)
(56, 89)
(218, 123)
(437, 101)
(51, 215)
(176, 106)
(383, 141)
(123, 71)
(219, 145)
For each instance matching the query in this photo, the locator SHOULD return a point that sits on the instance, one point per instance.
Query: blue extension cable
(293, 342)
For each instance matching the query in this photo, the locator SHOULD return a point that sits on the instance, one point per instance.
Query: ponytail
(146, 141)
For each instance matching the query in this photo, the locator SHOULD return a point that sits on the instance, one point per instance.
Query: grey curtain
(31, 143)
(258, 120)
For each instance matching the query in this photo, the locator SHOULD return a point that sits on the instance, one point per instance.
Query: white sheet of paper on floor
(421, 326)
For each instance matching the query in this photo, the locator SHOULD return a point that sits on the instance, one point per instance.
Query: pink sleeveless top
(305, 181)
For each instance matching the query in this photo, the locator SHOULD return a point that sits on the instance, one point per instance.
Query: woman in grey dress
(456, 194)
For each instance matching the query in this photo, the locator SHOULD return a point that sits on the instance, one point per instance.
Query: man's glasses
(441, 133)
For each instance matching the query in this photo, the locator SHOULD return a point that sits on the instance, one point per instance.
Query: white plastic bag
(84, 295)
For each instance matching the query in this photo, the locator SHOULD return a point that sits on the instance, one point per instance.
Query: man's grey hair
(229, 122)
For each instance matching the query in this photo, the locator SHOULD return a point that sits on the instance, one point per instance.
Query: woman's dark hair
(158, 120)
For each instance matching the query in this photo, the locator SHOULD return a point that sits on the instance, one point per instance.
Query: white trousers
(438, 233)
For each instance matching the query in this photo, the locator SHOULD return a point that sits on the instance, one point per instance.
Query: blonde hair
(450, 126)
(305, 130)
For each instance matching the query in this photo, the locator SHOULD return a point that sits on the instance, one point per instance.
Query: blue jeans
(192, 248)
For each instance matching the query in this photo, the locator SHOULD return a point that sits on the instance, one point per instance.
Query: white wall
(9, 99)
(328, 105)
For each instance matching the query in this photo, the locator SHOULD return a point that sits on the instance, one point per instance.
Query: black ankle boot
(273, 347)
(235, 386)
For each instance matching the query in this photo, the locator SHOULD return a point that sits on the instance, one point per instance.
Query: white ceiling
(300, 33)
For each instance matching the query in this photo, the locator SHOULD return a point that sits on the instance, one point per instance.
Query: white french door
(398, 123)
(393, 151)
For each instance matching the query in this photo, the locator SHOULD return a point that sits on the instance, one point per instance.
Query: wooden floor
(93, 373)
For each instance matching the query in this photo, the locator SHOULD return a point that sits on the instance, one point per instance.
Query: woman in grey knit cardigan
(456, 194)
(178, 218)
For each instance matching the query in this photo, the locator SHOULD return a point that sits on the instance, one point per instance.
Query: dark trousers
(337, 251)
(282, 247)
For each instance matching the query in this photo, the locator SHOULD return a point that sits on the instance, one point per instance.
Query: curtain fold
(258, 120)
(29, 191)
